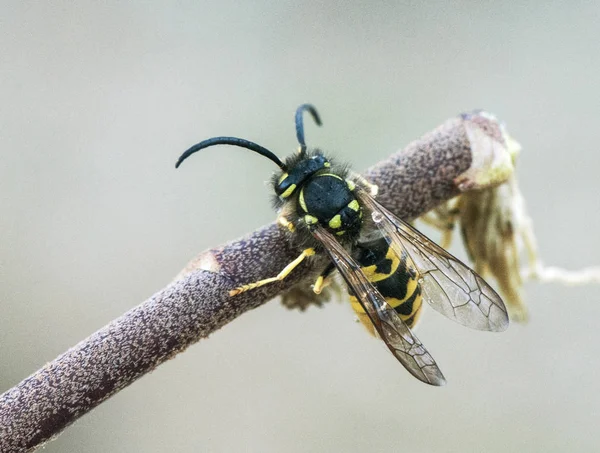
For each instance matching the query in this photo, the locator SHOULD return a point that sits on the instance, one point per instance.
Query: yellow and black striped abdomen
(396, 278)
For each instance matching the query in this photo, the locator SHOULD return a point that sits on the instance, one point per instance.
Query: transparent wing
(397, 336)
(447, 284)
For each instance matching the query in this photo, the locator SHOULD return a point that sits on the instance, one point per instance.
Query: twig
(197, 303)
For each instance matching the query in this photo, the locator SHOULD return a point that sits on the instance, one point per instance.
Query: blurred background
(98, 99)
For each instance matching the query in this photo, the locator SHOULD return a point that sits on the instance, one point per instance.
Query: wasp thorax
(328, 199)
(298, 174)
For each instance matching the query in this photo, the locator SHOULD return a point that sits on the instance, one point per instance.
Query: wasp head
(299, 171)
(307, 183)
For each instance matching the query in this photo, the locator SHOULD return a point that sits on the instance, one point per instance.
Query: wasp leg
(286, 223)
(434, 220)
(373, 189)
(446, 226)
(451, 214)
(321, 280)
(283, 274)
(443, 218)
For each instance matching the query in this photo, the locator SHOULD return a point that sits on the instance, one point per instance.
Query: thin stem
(411, 182)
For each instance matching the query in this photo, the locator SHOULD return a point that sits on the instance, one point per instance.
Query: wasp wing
(447, 284)
(397, 336)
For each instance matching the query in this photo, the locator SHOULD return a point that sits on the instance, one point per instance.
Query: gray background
(99, 99)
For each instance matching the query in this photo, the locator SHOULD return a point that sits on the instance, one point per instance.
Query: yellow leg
(435, 221)
(446, 239)
(323, 280)
(283, 274)
(319, 285)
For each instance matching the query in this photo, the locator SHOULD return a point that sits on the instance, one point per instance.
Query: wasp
(388, 266)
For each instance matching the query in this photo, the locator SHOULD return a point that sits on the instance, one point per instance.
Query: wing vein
(448, 285)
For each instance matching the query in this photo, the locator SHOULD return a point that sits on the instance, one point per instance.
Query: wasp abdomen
(396, 278)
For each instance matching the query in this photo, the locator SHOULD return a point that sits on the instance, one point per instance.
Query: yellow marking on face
(310, 220)
(302, 202)
(335, 222)
(282, 178)
(341, 233)
(326, 165)
(351, 184)
(289, 191)
(354, 205)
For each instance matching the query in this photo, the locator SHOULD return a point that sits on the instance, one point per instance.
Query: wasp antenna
(235, 142)
(300, 123)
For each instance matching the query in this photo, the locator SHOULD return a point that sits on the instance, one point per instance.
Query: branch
(411, 182)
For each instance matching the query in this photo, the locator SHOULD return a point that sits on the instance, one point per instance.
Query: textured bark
(197, 303)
